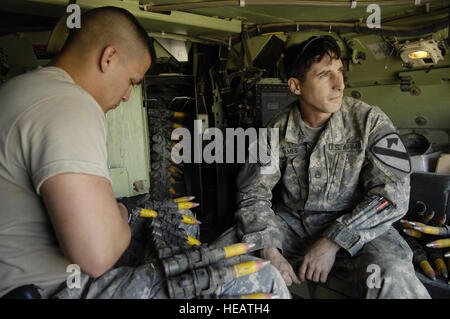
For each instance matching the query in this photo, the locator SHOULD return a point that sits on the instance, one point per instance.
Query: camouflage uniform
(134, 278)
(323, 189)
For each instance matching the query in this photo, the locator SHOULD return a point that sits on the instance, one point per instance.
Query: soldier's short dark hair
(299, 58)
(138, 31)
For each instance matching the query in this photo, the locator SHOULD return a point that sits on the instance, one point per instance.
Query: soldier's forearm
(370, 218)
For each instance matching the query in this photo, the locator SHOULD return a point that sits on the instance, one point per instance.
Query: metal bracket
(358, 54)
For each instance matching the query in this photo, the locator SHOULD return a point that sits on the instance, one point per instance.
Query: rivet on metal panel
(138, 186)
(420, 120)
(356, 94)
(415, 91)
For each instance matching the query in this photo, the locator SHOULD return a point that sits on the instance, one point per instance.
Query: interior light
(419, 54)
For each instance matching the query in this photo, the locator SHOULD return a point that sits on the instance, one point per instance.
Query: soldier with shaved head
(58, 212)
(107, 56)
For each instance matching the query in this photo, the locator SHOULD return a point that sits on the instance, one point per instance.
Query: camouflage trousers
(382, 269)
(135, 277)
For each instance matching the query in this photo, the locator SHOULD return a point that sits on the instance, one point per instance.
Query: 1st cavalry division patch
(391, 151)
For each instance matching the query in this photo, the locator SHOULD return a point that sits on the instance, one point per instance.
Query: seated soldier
(342, 179)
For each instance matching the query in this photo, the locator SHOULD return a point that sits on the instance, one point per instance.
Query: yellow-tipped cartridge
(187, 205)
(249, 267)
(183, 199)
(427, 269)
(421, 227)
(179, 114)
(427, 229)
(174, 170)
(412, 233)
(165, 113)
(193, 242)
(237, 249)
(441, 243)
(148, 213)
(190, 220)
(441, 267)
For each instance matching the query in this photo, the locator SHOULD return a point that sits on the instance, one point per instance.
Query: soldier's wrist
(266, 253)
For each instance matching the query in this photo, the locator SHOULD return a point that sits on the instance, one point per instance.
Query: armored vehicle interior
(220, 62)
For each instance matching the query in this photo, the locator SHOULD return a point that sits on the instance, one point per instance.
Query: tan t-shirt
(48, 126)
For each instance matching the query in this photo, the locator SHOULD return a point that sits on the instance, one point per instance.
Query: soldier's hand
(318, 261)
(283, 266)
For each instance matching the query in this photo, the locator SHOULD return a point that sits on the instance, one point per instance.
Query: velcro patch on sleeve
(391, 151)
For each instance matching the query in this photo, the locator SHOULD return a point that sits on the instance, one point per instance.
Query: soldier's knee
(271, 274)
(267, 280)
(395, 278)
(396, 270)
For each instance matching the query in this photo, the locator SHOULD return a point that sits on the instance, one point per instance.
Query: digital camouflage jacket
(332, 188)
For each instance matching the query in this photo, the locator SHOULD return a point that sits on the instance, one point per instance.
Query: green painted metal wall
(377, 78)
(128, 146)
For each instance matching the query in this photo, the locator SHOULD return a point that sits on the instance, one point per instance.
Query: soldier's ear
(295, 86)
(108, 58)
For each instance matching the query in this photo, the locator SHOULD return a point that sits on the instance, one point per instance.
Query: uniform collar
(294, 132)
(295, 129)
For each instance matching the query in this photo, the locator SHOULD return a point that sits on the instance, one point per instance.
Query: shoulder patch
(391, 151)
